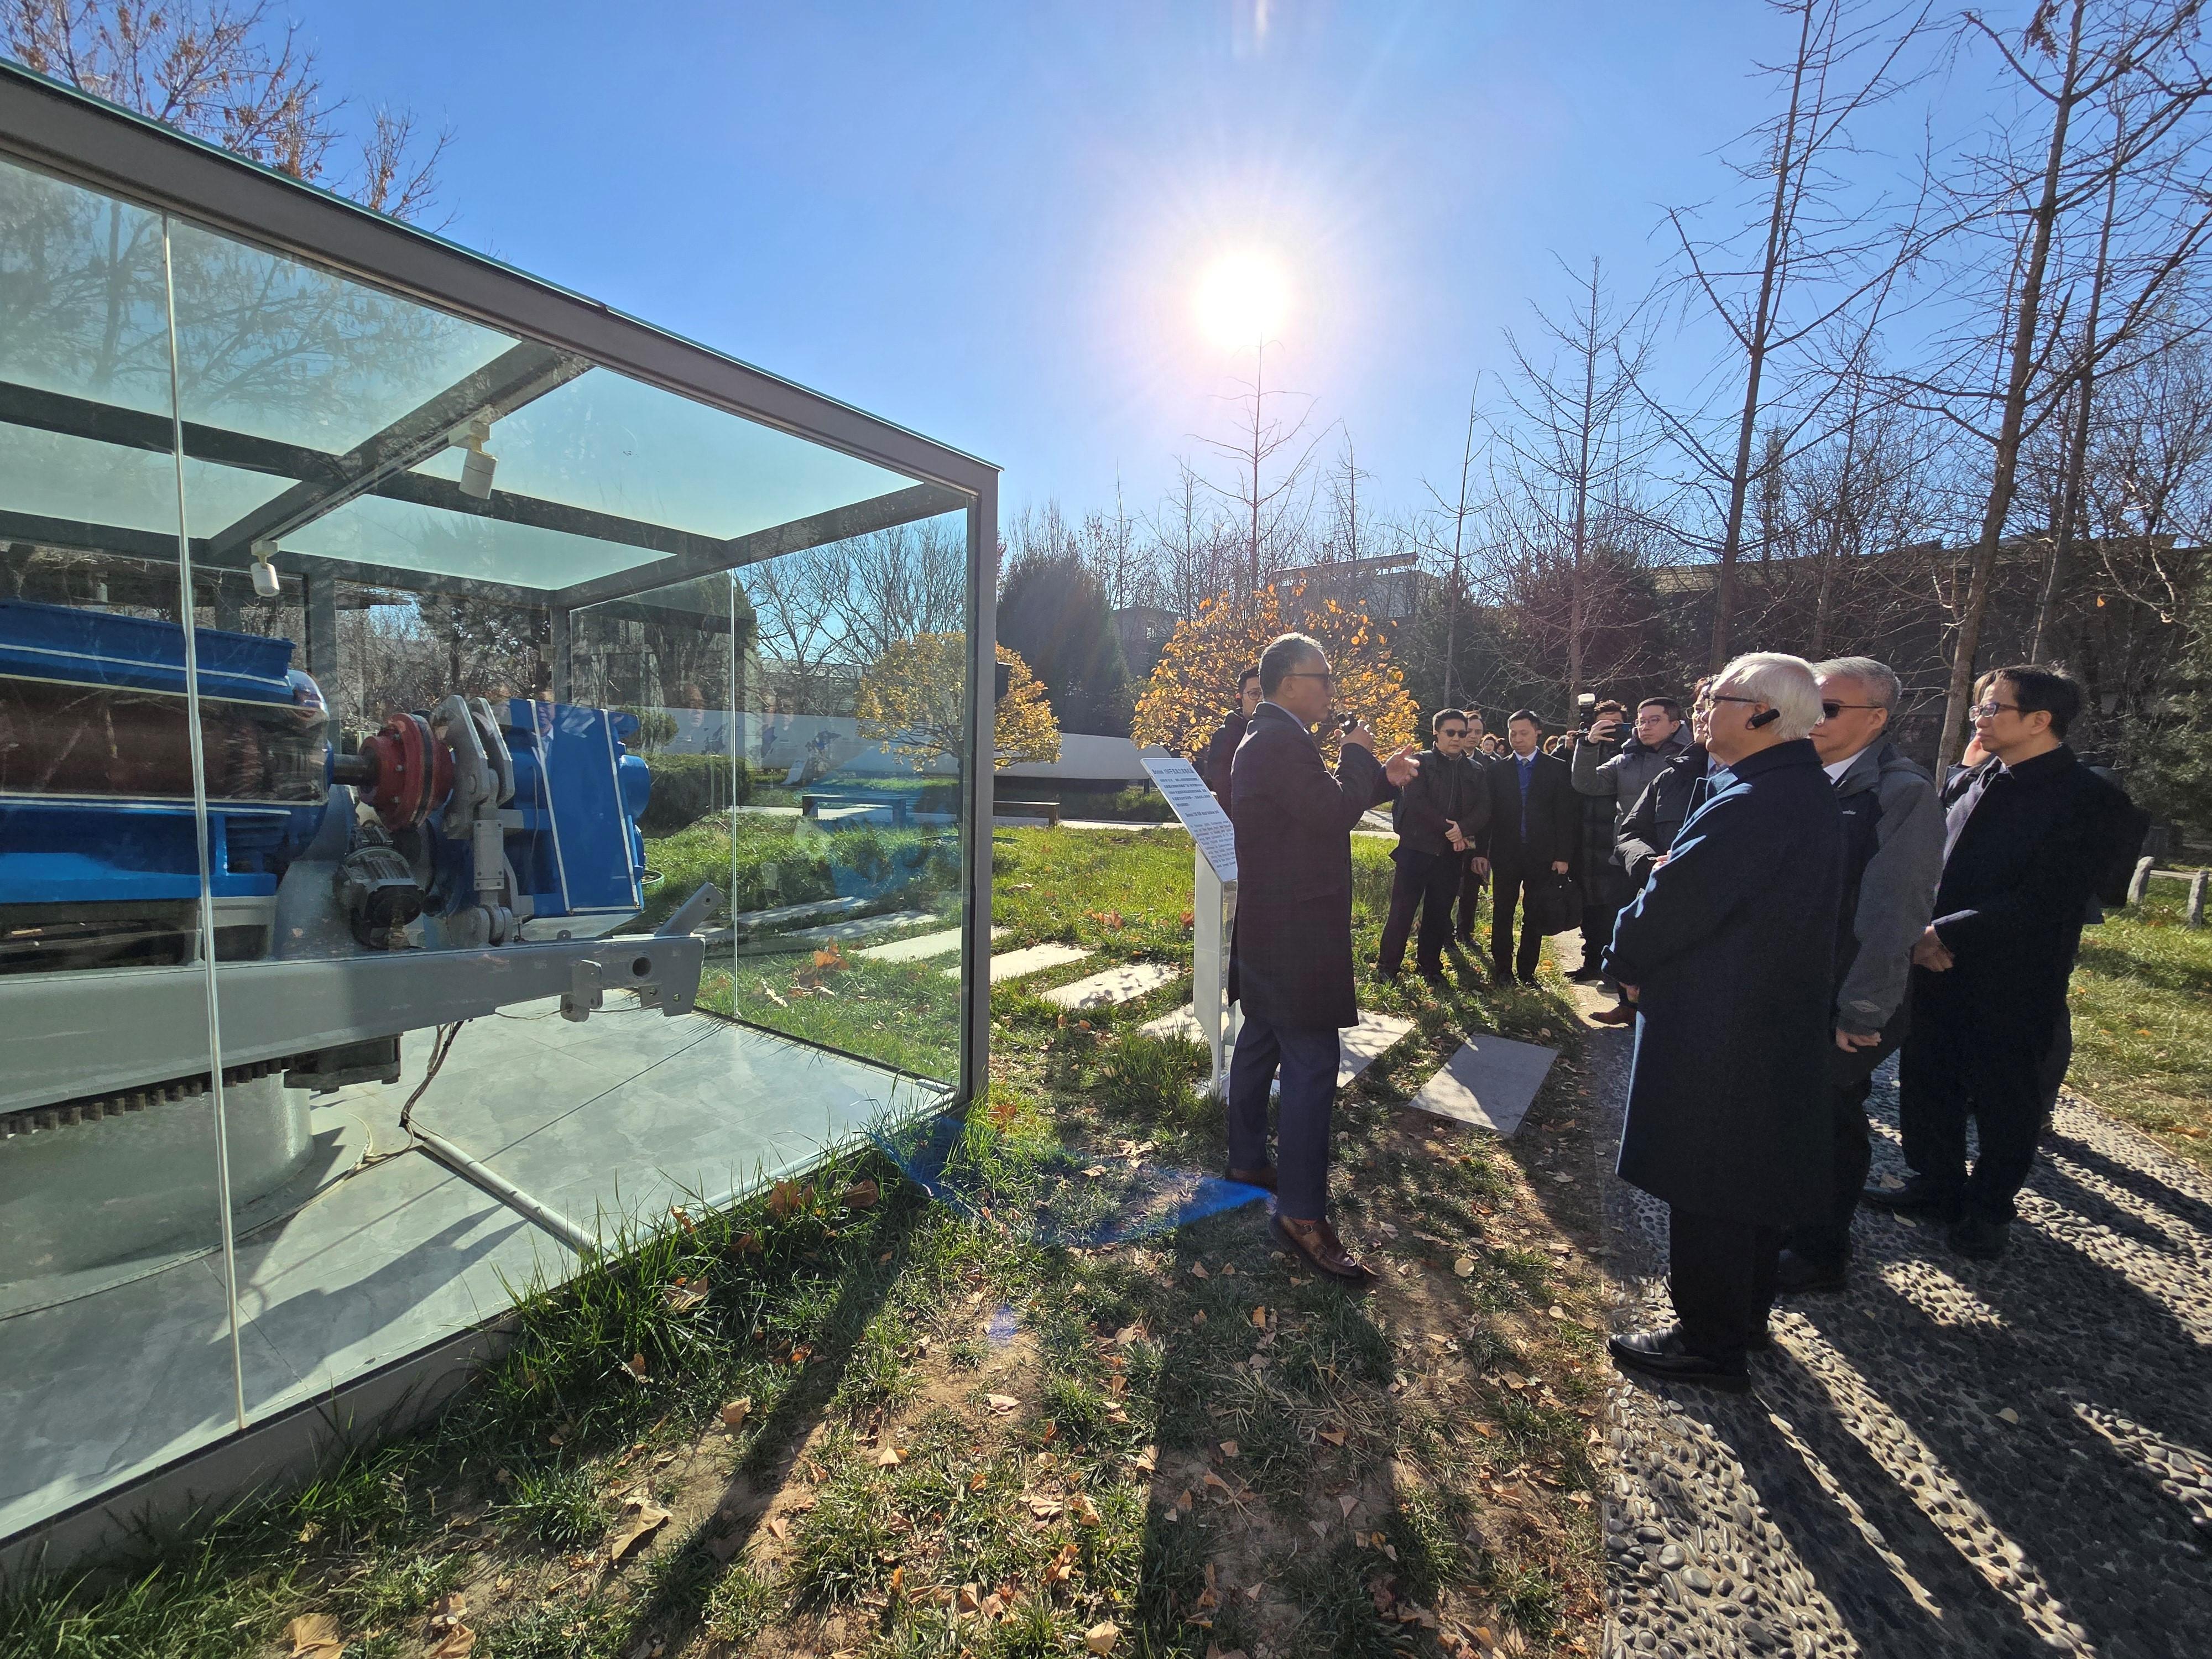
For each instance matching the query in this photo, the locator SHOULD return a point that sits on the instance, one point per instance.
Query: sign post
(1213, 902)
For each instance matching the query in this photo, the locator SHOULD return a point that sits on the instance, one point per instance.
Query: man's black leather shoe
(1916, 1197)
(1588, 973)
(1796, 1275)
(1661, 1354)
(1980, 1237)
(1760, 1340)
(1262, 1176)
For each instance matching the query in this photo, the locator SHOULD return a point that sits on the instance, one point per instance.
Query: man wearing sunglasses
(1293, 964)
(2027, 834)
(1893, 855)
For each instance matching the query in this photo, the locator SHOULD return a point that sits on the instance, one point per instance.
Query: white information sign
(1213, 902)
(1196, 808)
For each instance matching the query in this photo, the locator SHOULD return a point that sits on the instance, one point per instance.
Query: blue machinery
(460, 860)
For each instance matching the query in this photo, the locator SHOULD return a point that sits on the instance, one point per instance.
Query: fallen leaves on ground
(1102, 1638)
(314, 1636)
(1000, 1402)
(640, 1520)
(862, 1195)
(734, 1411)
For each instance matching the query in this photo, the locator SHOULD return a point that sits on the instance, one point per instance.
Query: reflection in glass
(111, 1287)
(570, 855)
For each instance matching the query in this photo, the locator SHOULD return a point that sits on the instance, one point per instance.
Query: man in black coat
(2028, 832)
(1728, 953)
(1437, 817)
(1535, 818)
(1294, 938)
(1221, 747)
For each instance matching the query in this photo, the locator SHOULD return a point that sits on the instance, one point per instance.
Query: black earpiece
(1767, 719)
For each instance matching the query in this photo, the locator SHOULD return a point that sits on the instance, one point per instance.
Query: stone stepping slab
(1489, 1083)
(1357, 1049)
(1029, 959)
(835, 932)
(1125, 983)
(920, 949)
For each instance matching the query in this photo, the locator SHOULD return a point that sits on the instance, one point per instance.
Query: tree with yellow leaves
(910, 700)
(1196, 681)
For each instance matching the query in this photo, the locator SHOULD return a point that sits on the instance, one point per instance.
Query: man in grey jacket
(1893, 856)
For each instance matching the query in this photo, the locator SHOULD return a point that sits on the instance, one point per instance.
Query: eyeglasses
(1311, 674)
(1717, 697)
(1990, 711)
(1830, 710)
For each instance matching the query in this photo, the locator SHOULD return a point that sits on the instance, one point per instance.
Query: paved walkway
(1954, 1457)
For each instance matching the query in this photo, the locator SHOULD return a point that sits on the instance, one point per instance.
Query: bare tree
(1271, 455)
(1196, 556)
(2073, 55)
(231, 74)
(1566, 533)
(1450, 553)
(1784, 282)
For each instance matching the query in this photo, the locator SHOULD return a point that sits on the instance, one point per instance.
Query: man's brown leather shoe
(1317, 1242)
(1262, 1176)
(1621, 1013)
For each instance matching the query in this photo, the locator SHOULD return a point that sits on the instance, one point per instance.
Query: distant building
(1385, 587)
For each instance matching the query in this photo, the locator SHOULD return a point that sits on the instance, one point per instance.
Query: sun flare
(1243, 299)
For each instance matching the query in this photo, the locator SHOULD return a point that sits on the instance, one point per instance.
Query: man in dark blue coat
(1294, 938)
(2027, 833)
(1728, 953)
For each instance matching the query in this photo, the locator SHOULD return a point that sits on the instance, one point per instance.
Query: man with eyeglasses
(1437, 817)
(1728, 955)
(1293, 972)
(2027, 834)
(1893, 855)
(1221, 747)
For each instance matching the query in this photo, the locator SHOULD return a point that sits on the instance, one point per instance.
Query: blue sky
(988, 222)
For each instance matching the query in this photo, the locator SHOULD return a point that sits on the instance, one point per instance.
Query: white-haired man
(1728, 953)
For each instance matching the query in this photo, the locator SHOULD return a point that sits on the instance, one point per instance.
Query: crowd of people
(1780, 901)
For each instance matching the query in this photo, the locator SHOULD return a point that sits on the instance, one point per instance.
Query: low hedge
(687, 788)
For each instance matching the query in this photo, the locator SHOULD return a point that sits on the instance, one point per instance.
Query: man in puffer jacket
(1893, 859)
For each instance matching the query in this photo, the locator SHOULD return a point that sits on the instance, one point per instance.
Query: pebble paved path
(1954, 1457)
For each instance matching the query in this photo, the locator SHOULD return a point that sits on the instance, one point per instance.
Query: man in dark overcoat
(2027, 833)
(1728, 953)
(1221, 748)
(1437, 817)
(1535, 824)
(1294, 823)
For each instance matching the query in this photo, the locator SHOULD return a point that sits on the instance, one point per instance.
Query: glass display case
(475, 773)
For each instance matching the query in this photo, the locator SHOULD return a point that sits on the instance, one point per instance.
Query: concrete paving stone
(835, 932)
(921, 948)
(1491, 1082)
(1124, 983)
(1029, 959)
(1357, 1048)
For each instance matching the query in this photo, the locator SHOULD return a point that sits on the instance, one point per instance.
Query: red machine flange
(403, 772)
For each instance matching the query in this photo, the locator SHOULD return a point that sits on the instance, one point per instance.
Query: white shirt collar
(1836, 770)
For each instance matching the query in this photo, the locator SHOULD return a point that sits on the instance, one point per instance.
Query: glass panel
(116, 1333)
(498, 600)
(846, 863)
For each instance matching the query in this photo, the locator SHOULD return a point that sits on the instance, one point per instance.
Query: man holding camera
(1437, 817)
(1612, 776)
(1294, 825)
